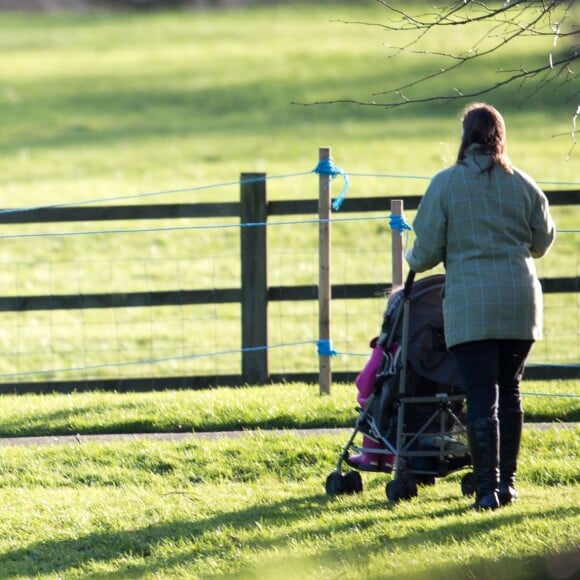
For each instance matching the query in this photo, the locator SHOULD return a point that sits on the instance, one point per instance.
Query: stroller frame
(414, 462)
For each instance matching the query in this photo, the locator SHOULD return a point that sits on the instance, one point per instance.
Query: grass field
(100, 106)
(127, 107)
(281, 406)
(105, 105)
(255, 507)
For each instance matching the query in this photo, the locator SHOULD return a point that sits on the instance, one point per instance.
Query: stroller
(414, 413)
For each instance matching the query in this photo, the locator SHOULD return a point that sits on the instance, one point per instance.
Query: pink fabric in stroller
(366, 378)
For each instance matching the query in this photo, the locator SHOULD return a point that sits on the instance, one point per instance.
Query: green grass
(288, 406)
(255, 507)
(100, 105)
(113, 105)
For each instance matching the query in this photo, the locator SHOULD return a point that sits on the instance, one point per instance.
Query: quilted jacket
(486, 228)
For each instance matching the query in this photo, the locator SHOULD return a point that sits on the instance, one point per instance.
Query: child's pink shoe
(367, 460)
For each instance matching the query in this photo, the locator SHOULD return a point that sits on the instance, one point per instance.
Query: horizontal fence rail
(220, 209)
(253, 209)
(221, 296)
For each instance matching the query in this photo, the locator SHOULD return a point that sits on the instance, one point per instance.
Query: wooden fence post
(324, 284)
(396, 247)
(254, 291)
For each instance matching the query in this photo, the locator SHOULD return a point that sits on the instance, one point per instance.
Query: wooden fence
(253, 209)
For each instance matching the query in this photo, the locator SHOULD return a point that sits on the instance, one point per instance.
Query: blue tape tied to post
(325, 347)
(327, 167)
(397, 222)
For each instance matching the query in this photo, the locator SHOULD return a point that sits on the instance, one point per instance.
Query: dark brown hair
(483, 124)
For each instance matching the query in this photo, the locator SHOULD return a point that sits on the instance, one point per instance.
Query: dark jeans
(491, 371)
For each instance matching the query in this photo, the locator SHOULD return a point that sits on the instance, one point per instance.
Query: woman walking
(485, 221)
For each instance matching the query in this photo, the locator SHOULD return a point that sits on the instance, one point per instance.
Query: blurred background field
(147, 107)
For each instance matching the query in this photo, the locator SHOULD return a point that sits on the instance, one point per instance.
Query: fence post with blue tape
(398, 224)
(327, 167)
(324, 286)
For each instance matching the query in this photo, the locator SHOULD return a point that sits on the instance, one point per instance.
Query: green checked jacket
(486, 228)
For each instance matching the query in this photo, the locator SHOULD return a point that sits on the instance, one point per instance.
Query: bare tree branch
(504, 25)
(518, 75)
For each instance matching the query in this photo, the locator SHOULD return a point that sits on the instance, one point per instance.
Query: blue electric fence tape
(327, 167)
(397, 222)
(325, 347)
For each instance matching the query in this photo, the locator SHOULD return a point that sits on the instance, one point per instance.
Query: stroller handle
(409, 283)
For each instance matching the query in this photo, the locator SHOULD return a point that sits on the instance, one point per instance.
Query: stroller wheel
(395, 490)
(335, 484)
(403, 487)
(410, 484)
(425, 480)
(353, 482)
(468, 484)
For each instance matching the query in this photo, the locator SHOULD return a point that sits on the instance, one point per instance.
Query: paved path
(72, 439)
(63, 439)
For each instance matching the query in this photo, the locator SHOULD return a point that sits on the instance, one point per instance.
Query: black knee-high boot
(510, 436)
(483, 443)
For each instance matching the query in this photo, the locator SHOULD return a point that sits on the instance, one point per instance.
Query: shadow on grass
(149, 549)
(99, 112)
(134, 417)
